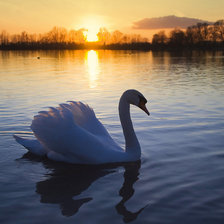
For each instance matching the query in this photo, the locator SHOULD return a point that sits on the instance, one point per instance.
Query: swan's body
(72, 133)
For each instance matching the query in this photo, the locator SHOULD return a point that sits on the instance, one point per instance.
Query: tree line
(61, 38)
(197, 36)
(201, 35)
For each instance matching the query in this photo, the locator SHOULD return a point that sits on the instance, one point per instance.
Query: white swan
(72, 133)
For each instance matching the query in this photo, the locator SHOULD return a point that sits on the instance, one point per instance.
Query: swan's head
(136, 98)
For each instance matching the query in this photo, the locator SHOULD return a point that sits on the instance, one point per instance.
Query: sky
(39, 16)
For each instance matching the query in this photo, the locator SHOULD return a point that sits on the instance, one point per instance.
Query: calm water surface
(180, 178)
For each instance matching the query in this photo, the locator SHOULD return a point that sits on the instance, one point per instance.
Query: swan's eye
(142, 100)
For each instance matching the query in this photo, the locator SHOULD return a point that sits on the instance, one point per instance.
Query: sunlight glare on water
(91, 59)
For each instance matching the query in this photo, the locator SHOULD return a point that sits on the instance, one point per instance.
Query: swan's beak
(143, 107)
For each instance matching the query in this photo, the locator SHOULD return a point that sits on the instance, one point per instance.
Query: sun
(92, 26)
(91, 34)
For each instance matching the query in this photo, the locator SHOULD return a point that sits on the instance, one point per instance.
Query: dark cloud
(167, 22)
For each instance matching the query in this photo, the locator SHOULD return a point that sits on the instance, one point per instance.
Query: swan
(71, 133)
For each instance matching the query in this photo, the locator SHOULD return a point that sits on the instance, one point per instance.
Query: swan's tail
(33, 146)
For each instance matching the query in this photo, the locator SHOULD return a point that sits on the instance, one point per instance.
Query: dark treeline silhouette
(60, 38)
(200, 36)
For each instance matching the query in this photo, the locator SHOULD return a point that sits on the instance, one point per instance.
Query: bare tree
(116, 36)
(160, 38)
(4, 37)
(177, 36)
(24, 37)
(104, 36)
(219, 30)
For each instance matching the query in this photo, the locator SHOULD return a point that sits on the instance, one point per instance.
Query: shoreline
(145, 46)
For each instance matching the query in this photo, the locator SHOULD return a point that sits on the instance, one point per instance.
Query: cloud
(167, 22)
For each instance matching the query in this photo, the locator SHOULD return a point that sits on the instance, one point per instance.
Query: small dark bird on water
(38, 57)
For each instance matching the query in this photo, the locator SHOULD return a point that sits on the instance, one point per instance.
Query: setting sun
(92, 26)
(91, 35)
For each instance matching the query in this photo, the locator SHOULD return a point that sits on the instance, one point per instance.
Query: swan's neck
(131, 142)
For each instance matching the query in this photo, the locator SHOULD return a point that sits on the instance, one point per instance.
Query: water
(180, 177)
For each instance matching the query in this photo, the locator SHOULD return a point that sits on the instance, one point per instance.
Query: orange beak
(143, 107)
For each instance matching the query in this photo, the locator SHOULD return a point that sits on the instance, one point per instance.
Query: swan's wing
(73, 132)
(85, 118)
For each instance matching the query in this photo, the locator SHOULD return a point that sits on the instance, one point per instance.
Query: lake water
(180, 178)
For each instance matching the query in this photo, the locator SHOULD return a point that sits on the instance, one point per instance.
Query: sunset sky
(40, 16)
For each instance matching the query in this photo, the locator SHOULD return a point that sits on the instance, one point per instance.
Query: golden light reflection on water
(92, 62)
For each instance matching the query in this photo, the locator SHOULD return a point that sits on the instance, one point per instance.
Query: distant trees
(177, 37)
(104, 36)
(197, 35)
(4, 37)
(160, 38)
(76, 36)
(117, 37)
(59, 37)
(218, 30)
(55, 35)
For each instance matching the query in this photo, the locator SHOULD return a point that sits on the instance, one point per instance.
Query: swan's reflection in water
(127, 191)
(67, 182)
